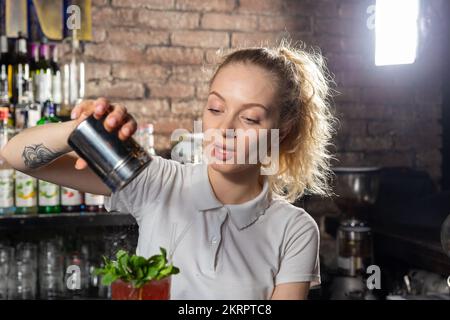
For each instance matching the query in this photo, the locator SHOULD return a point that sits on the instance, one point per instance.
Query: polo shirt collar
(243, 214)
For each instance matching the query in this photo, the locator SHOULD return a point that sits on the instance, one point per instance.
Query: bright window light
(396, 31)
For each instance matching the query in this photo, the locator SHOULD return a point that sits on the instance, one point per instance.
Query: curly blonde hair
(303, 84)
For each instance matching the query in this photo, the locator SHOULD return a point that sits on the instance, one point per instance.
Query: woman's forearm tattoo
(38, 155)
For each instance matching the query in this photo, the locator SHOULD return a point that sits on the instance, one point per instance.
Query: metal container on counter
(115, 161)
(354, 247)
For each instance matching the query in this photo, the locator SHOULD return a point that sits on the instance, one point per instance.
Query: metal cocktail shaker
(115, 161)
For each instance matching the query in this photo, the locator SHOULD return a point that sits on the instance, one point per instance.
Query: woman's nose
(227, 128)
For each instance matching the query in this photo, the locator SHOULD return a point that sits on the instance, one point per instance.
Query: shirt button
(214, 240)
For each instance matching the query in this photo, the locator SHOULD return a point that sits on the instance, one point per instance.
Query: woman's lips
(223, 154)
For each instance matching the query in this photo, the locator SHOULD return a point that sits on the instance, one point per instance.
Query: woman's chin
(230, 168)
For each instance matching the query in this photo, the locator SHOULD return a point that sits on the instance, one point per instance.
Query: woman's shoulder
(293, 217)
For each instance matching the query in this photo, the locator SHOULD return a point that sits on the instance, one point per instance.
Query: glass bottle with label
(57, 83)
(94, 202)
(27, 114)
(71, 200)
(49, 193)
(73, 74)
(26, 194)
(21, 69)
(6, 172)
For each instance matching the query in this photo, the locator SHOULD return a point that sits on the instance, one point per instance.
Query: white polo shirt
(223, 251)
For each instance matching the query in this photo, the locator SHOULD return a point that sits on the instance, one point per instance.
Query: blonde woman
(232, 232)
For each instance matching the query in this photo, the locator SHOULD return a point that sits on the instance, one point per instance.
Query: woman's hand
(117, 119)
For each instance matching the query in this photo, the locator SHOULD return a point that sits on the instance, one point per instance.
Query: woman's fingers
(80, 164)
(116, 118)
(80, 108)
(101, 107)
(128, 129)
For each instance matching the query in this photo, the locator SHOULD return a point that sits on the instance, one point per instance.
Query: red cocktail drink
(153, 290)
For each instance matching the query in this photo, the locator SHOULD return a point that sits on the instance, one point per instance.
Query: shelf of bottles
(45, 228)
(40, 83)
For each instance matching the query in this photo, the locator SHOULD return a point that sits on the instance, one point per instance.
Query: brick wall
(149, 55)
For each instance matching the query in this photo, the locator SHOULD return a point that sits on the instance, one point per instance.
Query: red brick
(244, 39)
(326, 8)
(281, 23)
(174, 55)
(429, 158)
(348, 159)
(296, 7)
(392, 158)
(387, 95)
(153, 72)
(206, 6)
(202, 91)
(417, 142)
(162, 143)
(338, 27)
(347, 94)
(171, 90)
(213, 56)
(115, 90)
(106, 16)
(99, 3)
(361, 143)
(431, 111)
(143, 109)
(148, 4)
(377, 128)
(193, 107)
(98, 71)
(98, 34)
(168, 19)
(137, 36)
(220, 21)
(190, 74)
(108, 52)
(204, 39)
(352, 127)
(354, 10)
(261, 6)
(348, 62)
(431, 95)
(166, 125)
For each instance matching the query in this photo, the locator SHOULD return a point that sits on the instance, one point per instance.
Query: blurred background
(390, 62)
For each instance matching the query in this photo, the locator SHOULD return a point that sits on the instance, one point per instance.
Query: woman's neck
(235, 188)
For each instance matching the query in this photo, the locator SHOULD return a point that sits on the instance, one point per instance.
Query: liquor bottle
(6, 172)
(57, 84)
(7, 61)
(5, 77)
(71, 200)
(4, 89)
(45, 76)
(27, 114)
(73, 74)
(94, 202)
(21, 69)
(25, 194)
(34, 70)
(149, 139)
(49, 193)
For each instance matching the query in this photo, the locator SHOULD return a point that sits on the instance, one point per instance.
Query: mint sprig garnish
(135, 269)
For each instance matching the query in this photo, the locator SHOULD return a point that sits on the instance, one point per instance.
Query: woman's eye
(214, 110)
(251, 121)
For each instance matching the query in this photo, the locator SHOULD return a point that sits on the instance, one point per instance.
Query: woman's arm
(43, 152)
(291, 291)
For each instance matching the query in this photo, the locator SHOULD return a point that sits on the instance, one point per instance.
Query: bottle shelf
(67, 219)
